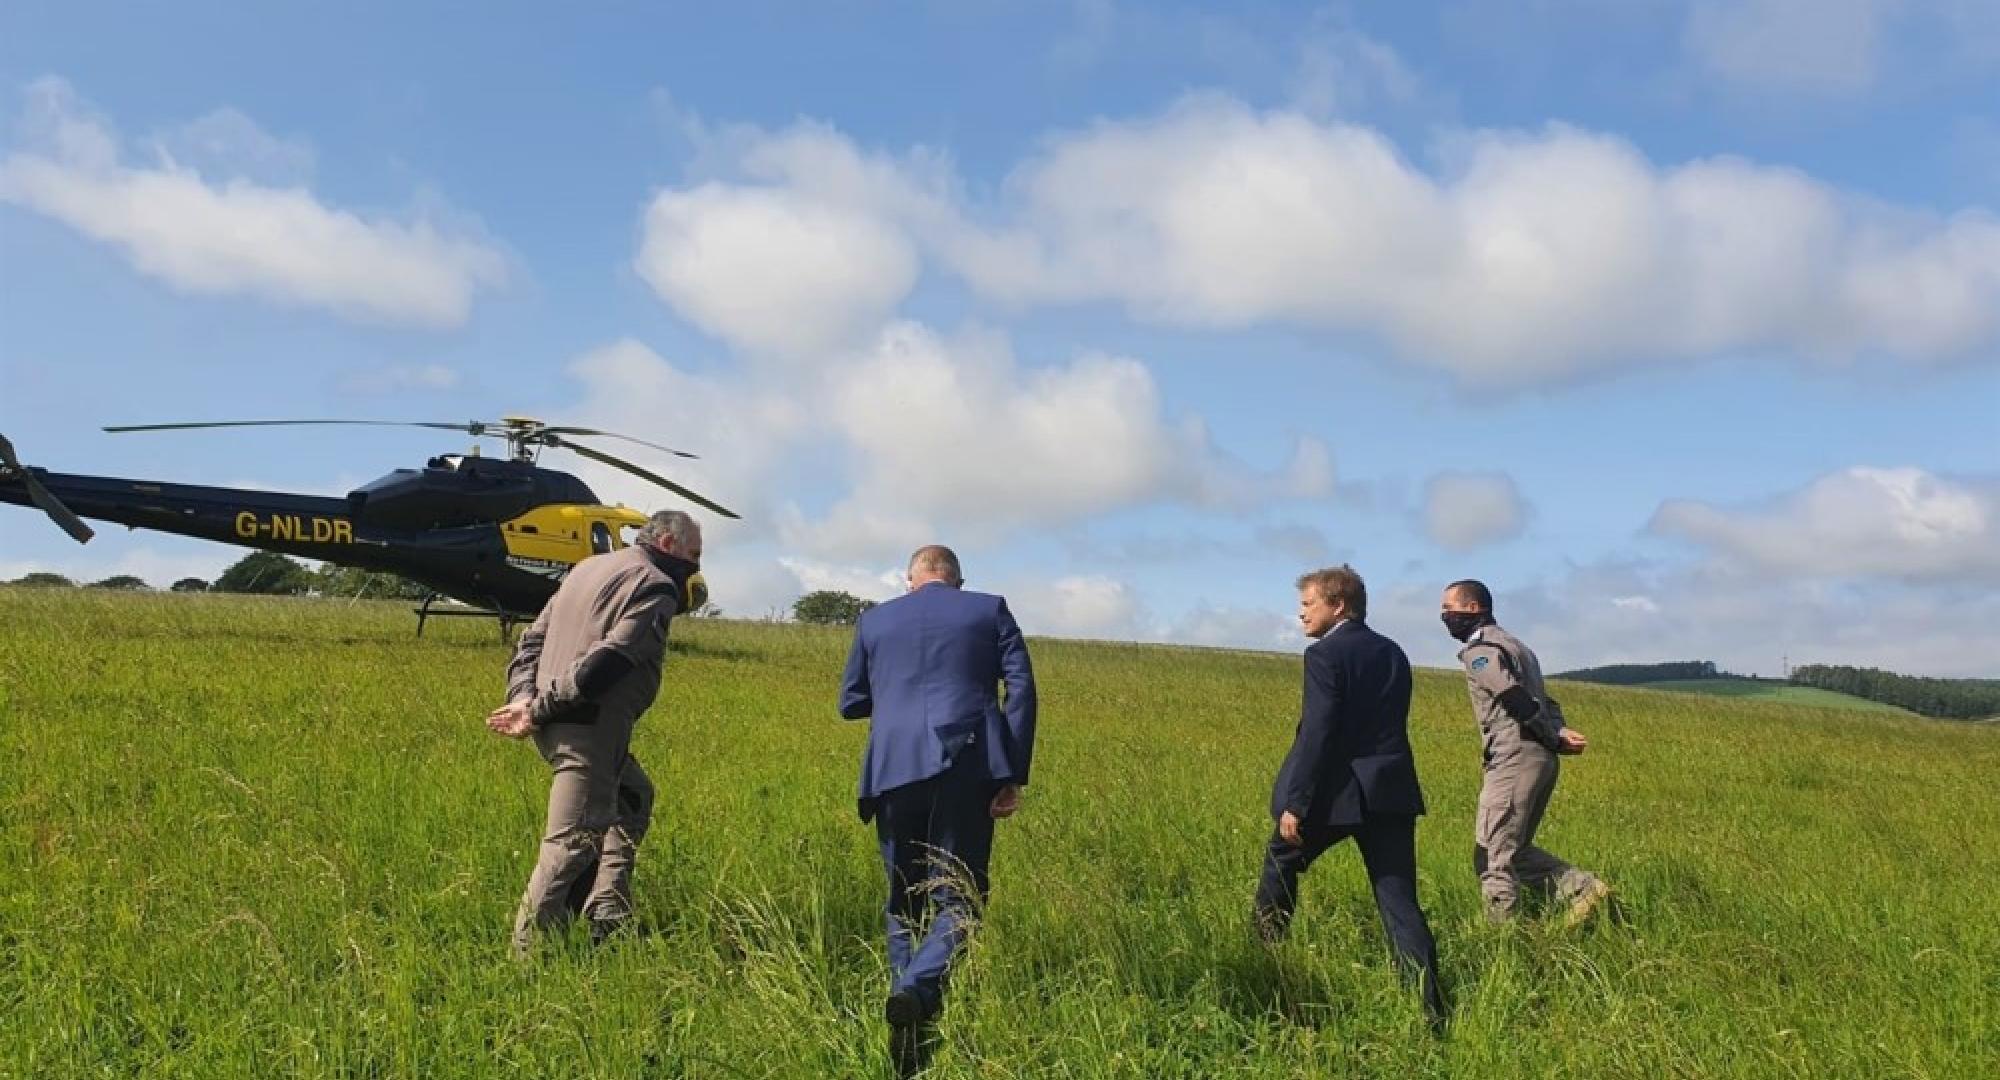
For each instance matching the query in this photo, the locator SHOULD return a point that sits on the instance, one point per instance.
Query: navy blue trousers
(937, 838)
(1389, 852)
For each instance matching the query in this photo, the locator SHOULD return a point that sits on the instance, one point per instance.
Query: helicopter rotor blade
(63, 516)
(643, 474)
(564, 430)
(473, 428)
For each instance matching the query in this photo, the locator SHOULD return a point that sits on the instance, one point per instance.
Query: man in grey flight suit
(580, 679)
(1523, 732)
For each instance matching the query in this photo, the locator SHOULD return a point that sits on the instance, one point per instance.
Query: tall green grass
(247, 837)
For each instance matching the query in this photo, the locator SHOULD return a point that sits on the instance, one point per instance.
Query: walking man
(947, 756)
(1351, 774)
(581, 677)
(1523, 732)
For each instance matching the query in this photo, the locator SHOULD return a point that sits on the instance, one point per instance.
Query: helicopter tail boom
(23, 485)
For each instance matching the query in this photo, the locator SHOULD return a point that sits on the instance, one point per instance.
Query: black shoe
(603, 930)
(1271, 926)
(905, 1008)
(909, 1041)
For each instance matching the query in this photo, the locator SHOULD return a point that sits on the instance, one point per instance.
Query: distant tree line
(1945, 699)
(263, 573)
(1638, 674)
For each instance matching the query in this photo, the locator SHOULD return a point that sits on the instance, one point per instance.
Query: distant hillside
(1945, 699)
(1642, 674)
(1776, 690)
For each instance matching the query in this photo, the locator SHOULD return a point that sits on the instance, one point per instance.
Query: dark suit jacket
(1351, 756)
(928, 666)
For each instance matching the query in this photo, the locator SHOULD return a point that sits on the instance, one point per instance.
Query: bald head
(935, 562)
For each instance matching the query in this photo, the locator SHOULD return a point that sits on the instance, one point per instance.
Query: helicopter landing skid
(452, 609)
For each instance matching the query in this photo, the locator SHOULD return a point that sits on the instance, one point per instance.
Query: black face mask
(1461, 624)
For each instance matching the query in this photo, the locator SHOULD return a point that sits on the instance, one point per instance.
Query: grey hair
(677, 524)
(939, 560)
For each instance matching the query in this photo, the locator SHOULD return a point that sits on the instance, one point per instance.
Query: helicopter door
(600, 538)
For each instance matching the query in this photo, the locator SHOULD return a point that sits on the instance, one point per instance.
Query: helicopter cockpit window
(600, 537)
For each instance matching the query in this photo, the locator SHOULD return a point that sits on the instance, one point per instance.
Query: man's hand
(1571, 742)
(1006, 801)
(1288, 827)
(511, 720)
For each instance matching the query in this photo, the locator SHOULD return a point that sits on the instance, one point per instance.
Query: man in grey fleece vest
(581, 677)
(1522, 731)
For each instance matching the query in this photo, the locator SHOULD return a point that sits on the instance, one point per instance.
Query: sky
(1675, 321)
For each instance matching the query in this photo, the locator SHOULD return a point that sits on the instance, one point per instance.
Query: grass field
(255, 838)
(1773, 690)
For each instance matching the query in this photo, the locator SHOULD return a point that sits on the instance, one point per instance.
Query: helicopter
(497, 534)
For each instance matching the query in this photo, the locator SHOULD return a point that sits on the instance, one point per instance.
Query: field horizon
(269, 836)
(1781, 692)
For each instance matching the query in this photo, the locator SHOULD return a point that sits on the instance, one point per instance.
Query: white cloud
(1526, 256)
(1466, 510)
(1079, 607)
(1303, 544)
(1828, 47)
(1539, 255)
(1242, 628)
(1342, 70)
(1901, 523)
(228, 142)
(888, 445)
(868, 583)
(772, 270)
(229, 235)
(741, 429)
(1747, 622)
(955, 431)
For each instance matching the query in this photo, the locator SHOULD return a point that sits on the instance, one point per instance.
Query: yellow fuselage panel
(568, 532)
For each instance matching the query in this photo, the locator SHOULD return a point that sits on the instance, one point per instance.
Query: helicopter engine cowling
(453, 491)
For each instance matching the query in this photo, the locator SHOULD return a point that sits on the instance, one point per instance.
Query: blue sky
(1674, 321)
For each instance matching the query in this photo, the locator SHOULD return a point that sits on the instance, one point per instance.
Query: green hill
(246, 837)
(1775, 691)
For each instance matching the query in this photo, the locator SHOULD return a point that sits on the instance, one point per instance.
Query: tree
(830, 608)
(190, 584)
(1949, 699)
(127, 582)
(267, 573)
(1641, 674)
(344, 581)
(42, 579)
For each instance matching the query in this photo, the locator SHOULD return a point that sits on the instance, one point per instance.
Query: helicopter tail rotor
(65, 518)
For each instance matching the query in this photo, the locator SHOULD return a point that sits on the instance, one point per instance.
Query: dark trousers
(937, 838)
(1389, 852)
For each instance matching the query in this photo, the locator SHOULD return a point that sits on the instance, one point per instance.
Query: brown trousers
(600, 804)
(1519, 782)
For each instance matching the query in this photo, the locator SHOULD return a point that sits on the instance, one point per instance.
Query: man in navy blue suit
(1351, 774)
(946, 758)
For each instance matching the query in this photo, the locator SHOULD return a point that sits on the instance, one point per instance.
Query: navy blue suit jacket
(1351, 756)
(928, 666)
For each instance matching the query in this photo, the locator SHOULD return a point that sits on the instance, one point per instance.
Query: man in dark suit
(1351, 773)
(946, 758)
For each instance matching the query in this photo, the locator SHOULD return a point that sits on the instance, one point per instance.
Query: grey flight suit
(1520, 777)
(600, 800)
